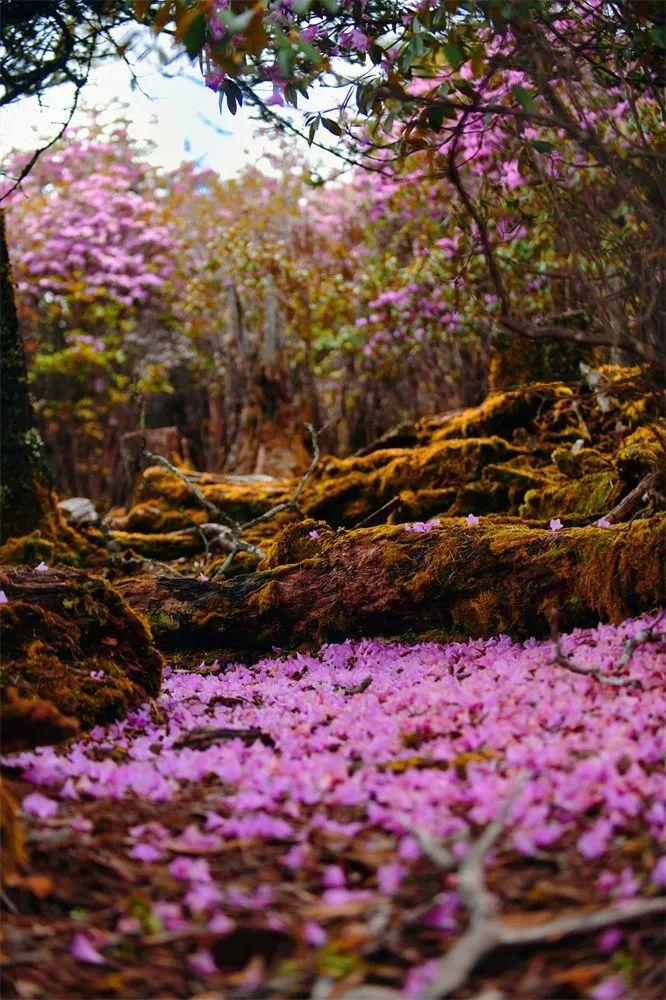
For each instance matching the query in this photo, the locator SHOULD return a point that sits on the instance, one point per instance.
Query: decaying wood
(451, 580)
(74, 654)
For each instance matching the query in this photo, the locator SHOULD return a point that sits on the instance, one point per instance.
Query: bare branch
(488, 931)
(292, 504)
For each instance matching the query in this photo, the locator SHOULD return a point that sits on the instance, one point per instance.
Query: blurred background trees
(503, 222)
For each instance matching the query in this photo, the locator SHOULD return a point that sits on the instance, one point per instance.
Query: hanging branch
(292, 504)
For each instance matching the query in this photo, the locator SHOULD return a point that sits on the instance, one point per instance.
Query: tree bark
(451, 581)
(26, 494)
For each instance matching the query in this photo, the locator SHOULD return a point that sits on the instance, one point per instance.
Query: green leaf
(453, 54)
(438, 112)
(524, 97)
(331, 126)
(194, 37)
(541, 146)
(376, 53)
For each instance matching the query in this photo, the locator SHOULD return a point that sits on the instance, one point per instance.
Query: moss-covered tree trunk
(453, 581)
(26, 494)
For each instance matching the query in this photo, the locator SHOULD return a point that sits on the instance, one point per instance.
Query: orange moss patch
(58, 629)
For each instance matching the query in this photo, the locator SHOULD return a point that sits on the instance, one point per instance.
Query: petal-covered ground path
(251, 831)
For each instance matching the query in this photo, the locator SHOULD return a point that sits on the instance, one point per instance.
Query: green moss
(159, 622)
(593, 494)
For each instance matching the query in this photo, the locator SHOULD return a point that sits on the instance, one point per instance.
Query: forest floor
(270, 829)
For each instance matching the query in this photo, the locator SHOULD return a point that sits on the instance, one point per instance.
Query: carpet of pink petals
(465, 719)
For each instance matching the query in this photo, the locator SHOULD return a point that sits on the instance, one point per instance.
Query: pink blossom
(83, 950)
(146, 852)
(314, 934)
(41, 567)
(313, 534)
(603, 522)
(202, 962)
(333, 877)
(472, 520)
(609, 989)
(389, 877)
(220, 923)
(594, 842)
(3, 597)
(39, 805)
(609, 939)
(659, 872)
(555, 524)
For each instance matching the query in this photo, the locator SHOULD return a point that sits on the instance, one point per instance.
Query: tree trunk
(26, 495)
(451, 581)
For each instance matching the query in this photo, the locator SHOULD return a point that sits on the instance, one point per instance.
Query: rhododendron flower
(609, 989)
(603, 522)
(146, 852)
(313, 934)
(338, 897)
(295, 856)
(202, 897)
(472, 520)
(333, 877)
(203, 578)
(220, 923)
(419, 979)
(3, 597)
(190, 869)
(609, 939)
(313, 534)
(202, 962)
(555, 524)
(83, 950)
(39, 805)
(659, 872)
(41, 568)
(420, 527)
(389, 877)
(593, 843)
(275, 100)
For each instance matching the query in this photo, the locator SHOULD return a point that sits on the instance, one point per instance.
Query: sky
(173, 108)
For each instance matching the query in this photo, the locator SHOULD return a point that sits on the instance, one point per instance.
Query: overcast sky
(173, 109)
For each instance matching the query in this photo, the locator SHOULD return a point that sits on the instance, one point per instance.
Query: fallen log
(74, 654)
(451, 581)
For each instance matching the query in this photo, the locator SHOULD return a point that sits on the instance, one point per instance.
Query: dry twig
(225, 531)
(651, 634)
(487, 930)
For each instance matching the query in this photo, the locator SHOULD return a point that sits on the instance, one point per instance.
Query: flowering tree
(92, 256)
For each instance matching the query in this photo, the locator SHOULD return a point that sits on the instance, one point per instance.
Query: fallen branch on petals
(651, 634)
(487, 930)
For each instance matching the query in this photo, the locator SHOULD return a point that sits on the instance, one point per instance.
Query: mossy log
(74, 655)
(541, 451)
(452, 581)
